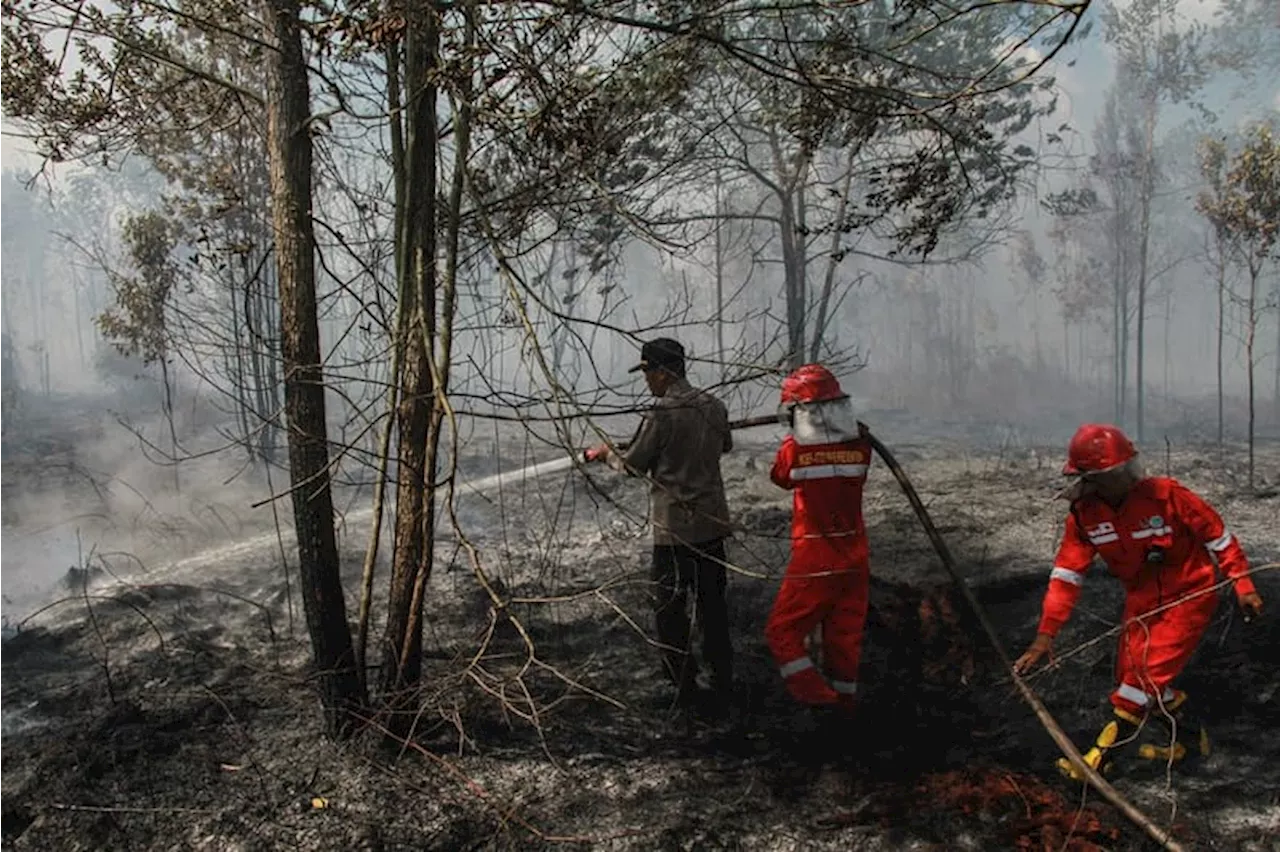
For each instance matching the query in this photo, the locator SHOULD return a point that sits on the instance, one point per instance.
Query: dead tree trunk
(720, 353)
(415, 497)
(439, 334)
(1140, 387)
(793, 277)
(1222, 322)
(289, 147)
(1275, 390)
(394, 107)
(790, 189)
(1120, 327)
(1251, 328)
(1168, 324)
(833, 259)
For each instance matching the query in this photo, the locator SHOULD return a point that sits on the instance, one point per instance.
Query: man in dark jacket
(678, 447)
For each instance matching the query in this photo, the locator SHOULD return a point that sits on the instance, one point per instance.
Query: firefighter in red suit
(824, 462)
(1160, 540)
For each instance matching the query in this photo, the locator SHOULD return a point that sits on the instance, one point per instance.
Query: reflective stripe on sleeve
(795, 667)
(1075, 578)
(845, 687)
(828, 471)
(1220, 543)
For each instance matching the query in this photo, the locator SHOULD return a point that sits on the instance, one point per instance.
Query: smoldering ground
(89, 489)
(176, 712)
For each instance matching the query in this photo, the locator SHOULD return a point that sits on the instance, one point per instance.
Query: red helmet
(1096, 447)
(810, 383)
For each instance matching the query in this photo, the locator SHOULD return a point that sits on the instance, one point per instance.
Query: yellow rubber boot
(1188, 730)
(1149, 751)
(1175, 701)
(1117, 733)
(1093, 757)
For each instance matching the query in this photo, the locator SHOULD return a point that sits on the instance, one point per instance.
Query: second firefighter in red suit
(824, 462)
(1160, 540)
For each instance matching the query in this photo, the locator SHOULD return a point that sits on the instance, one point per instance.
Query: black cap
(661, 352)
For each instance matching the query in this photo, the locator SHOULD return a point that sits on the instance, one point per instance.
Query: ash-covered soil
(174, 711)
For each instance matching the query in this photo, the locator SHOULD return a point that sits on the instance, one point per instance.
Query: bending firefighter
(1160, 540)
(824, 461)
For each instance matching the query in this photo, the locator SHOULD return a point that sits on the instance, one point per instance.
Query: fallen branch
(114, 809)
(1042, 713)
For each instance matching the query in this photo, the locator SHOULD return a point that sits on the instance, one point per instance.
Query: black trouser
(676, 568)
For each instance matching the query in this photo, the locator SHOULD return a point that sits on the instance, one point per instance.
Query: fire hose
(1050, 724)
(734, 425)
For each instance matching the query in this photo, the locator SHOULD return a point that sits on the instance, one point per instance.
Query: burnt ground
(174, 711)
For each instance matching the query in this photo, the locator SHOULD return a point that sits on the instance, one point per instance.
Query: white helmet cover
(829, 422)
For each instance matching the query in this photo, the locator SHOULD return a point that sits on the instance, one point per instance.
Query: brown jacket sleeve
(642, 453)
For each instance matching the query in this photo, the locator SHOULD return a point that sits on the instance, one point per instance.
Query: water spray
(213, 558)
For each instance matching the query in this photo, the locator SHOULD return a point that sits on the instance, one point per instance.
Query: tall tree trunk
(75, 292)
(289, 154)
(790, 189)
(394, 106)
(1275, 391)
(833, 258)
(1222, 323)
(564, 329)
(1035, 333)
(236, 367)
(273, 382)
(793, 281)
(801, 256)
(166, 382)
(1066, 348)
(1250, 331)
(415, 496)
(1120, 324)
(720, 353)
(1168, 323)
(440, 336)
(1144, 224)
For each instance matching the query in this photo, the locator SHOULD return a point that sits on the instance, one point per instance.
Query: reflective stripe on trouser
(805, 682)
(838, 601)
(1155, 650)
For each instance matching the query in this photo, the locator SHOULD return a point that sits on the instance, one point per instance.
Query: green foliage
(1159, 56)
(136, 323)
(1242, 201)
(1246, 39)
(593, 116)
